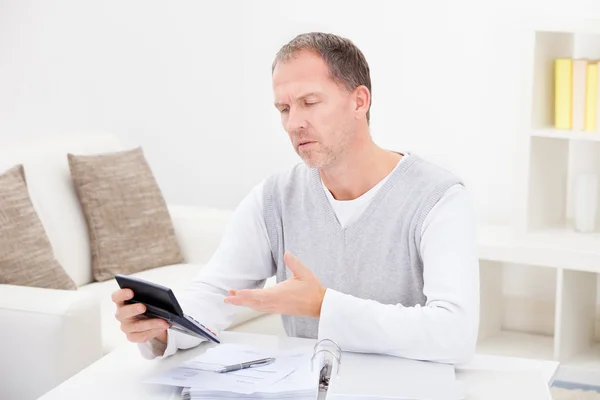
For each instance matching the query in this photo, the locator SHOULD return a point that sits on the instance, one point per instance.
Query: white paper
(302, 379)
(199, 372)
(303, 383)
(376, 376)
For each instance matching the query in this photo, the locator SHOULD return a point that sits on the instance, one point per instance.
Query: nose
(296, 120)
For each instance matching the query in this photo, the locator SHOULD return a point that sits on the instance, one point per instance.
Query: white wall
(154, 73)
(190, 82)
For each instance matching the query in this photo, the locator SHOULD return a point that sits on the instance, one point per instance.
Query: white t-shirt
(347, 211)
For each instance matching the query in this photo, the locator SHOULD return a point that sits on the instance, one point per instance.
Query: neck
(364, 165)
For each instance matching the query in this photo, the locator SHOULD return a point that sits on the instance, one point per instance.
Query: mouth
(306, 143)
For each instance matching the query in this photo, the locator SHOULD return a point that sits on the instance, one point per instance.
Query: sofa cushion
(53, 196)
(26, 256)
(128, 221)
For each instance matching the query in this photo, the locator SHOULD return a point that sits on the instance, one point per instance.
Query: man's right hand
(138, 330)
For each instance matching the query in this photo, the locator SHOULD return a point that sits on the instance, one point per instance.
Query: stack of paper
(302, 384)
(363, 376)
(289, 377)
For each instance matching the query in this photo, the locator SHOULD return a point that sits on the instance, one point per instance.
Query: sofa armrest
(47, 336)
(199, 230)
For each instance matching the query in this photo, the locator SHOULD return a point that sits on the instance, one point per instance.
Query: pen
(248, 364)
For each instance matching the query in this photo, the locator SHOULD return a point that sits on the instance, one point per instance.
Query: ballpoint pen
(248, 364)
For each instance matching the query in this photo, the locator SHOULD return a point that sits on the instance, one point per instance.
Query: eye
(310, 103)
(284, 110)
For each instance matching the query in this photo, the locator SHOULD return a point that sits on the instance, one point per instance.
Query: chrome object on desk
(325, 373)
(249, 364)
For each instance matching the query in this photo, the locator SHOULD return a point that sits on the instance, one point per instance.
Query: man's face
(316, 112)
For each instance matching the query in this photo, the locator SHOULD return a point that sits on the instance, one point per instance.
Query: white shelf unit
(568, 135)
(541, 236)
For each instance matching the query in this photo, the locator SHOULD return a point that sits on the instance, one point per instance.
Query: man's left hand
(301, 295)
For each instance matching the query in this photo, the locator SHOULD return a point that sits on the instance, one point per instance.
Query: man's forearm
(437, 332)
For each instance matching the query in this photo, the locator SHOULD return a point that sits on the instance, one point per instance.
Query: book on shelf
(576, 94)
(591, 108)
(563, 75)
(579, 92)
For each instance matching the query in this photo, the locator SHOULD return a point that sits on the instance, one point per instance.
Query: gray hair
(347, 64)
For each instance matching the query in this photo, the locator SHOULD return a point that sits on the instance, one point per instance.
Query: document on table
(378, 376)
(200, 371)
(302, 384)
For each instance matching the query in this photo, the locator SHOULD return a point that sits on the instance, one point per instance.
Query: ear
(362, 101)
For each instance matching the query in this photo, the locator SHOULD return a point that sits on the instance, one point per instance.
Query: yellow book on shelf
(598, 97)
(563, 93)
(578, 89)
(591, 98)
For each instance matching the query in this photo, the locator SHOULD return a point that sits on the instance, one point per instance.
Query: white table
(119, 374)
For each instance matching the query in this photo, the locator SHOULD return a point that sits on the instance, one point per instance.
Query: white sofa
(48, 335)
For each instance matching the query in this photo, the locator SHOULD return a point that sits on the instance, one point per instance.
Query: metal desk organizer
(325, 373)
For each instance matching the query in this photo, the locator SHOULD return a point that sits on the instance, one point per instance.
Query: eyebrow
(278, 105)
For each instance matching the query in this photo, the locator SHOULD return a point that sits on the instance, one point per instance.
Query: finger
(294, 264)
(253, 294)
(145, 325)
(267, 307)
(246, 293)
(121, 295)
(142, 337)
(239, 301)
(129, 311)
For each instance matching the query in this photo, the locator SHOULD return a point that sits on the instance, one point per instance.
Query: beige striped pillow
(129, 225)
(26, 255)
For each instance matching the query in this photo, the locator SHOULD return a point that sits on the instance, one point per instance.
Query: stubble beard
(321, 157)
(324, 156)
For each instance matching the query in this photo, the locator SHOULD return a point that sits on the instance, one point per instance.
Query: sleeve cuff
(171, 343)
(329, 319)
(155, 349)
(146, 350)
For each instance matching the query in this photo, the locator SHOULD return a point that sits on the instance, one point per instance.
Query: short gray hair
(347, 64)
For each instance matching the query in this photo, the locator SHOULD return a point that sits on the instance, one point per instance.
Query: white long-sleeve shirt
(445, 329)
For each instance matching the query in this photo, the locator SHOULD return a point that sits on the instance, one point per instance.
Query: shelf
(577, 26)
(583, 368)
(517, 344)
(588, 359)
(541, 233)
(556, 248)
(567, 135)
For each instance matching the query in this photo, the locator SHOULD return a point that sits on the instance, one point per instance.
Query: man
(372, 248)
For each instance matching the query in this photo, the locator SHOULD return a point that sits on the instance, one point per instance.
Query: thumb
(295, 265)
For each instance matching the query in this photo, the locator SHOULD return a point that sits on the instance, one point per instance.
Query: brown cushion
(129, 225)
(26, 255)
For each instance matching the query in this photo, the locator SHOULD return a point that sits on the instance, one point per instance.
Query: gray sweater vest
(377, 257)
